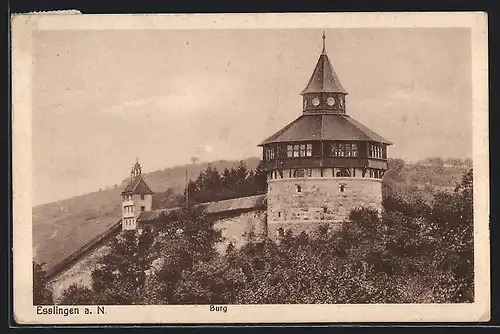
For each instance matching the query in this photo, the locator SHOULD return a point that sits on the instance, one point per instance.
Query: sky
(101, 99)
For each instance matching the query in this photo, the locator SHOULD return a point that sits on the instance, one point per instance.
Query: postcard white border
(24, 25)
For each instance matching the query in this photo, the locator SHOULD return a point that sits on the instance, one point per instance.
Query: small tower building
(324, 163)
(137, 197)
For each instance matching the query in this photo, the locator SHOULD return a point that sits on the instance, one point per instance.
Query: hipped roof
(309, 127)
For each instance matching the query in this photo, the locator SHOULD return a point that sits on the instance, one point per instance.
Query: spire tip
(324, 46)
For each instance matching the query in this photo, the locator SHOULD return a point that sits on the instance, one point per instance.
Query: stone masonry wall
(237, 229)
(234, 229)
(79, 273)
(301, 204)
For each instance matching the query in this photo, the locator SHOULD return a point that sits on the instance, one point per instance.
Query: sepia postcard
(250, 168)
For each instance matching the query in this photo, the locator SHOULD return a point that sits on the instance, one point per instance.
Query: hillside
(421, 180)
(62, 227)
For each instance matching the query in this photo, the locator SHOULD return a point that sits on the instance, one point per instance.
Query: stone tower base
(302, 204)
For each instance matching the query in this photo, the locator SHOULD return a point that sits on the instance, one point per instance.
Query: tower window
(376, 151)
(354, 150)
(269, 153)
(325, 209)
(344, 150)
(299, 188)
(299, 150)
(342, 188)
(279, 214)
(143, 208)
(308, 150)
(142, 197)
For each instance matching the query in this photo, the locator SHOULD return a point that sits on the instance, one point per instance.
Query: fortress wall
(234, 228)
(79, 272)
(237, 229)
(300, 204)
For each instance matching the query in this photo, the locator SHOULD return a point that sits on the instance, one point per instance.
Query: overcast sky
(103, 98)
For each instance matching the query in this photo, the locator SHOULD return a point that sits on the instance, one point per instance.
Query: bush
(42, 294)
(416, 251)
(77, 295)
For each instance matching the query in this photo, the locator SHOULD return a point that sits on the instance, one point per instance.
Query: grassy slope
(420, 180)
(60, 228)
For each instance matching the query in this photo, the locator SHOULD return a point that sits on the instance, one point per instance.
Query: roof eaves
(370, 134)
(271, 138)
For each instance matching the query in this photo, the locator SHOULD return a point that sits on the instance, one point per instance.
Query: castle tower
(137, 198)
(324, 163)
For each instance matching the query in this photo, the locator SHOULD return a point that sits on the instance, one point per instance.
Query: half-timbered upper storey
(324, 135)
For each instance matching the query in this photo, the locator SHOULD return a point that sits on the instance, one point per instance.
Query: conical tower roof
(324, 79)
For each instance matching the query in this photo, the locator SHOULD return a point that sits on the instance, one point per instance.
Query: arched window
(299, 173)
(344, 172)
(302, 173)
(280, 232)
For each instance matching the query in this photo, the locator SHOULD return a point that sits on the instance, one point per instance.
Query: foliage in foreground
(416, 252)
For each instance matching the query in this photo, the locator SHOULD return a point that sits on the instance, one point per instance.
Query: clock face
(315, 102)
(330, 101)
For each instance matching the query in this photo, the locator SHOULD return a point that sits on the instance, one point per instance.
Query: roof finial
(324, 46)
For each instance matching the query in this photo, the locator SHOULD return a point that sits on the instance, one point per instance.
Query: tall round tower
(324, 163)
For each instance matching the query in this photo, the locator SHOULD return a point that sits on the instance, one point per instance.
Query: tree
(260, 178)
(452, 224)
(227, 178)
(210, 282)
(167, 199)
(198, 230)
(42, 294)
(395, 169)
(120, 275)
(189, 238)
(77, 295)
(172, 256)
(416, 251)
(241, 172)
